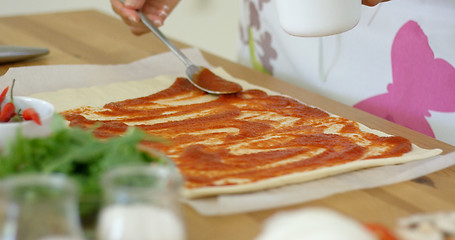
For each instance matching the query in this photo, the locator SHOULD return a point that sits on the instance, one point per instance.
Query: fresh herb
(76, 153)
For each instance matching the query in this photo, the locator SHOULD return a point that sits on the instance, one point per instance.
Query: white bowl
(316, 18)
(45, 110)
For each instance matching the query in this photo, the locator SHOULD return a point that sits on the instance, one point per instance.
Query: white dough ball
(313, 224)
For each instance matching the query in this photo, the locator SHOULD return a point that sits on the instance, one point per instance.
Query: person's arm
(155, 10)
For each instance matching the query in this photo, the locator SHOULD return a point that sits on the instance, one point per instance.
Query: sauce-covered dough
(240, 138)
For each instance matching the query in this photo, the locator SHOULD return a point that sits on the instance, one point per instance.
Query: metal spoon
(208, 82)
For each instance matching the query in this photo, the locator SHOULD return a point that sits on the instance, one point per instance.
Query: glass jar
(141, 202)
(39, 207)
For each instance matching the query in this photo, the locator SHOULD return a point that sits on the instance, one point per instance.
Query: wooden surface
(89, 37)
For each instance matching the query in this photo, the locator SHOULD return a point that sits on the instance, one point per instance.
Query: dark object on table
(19, 53)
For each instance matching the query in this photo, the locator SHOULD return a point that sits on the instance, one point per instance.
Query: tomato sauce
(208, 80)
(247, 136)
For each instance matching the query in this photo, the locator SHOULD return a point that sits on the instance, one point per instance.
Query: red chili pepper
(380, 231)
(31, 114)
(3, 94)
(8, 112)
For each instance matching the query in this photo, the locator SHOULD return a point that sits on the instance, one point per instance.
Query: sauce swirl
(238, 138)
(208, 80)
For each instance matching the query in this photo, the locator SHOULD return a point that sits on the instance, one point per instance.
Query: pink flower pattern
(421, 83)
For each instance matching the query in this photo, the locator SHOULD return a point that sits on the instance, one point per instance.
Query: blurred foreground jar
(141, 203)
(39, 207)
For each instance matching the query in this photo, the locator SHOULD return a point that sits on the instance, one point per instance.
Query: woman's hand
(155, 10)
(372, 2)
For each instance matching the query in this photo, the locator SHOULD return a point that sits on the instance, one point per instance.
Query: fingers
(156, 14)
(158, 10)
(155, 10)
(134, 4)
(124, 12)
(139, 30)
(372, 2)
(129, 15)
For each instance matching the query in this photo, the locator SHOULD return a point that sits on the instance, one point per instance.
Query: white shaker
(141, 203)
(316, 18)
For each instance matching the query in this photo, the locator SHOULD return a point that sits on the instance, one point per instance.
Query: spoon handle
(165, 40)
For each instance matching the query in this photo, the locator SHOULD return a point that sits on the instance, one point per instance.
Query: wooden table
(89, 37)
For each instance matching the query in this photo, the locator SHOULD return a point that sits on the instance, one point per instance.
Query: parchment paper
(38, 79)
